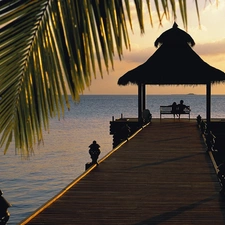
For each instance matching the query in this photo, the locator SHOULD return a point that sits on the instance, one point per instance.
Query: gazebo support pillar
(144, 97)
(208, 103)
(141, 101)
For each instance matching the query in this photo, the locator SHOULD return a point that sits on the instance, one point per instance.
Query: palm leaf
(51, 46)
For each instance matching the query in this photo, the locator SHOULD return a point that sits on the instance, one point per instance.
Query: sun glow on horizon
(210, 46)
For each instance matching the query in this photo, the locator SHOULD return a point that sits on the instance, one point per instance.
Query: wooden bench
(168, 110)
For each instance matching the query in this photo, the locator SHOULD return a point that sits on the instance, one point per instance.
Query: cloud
(211, 48)
(140, 55)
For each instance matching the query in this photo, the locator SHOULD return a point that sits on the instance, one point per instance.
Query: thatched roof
(173, 63)
(174, 36)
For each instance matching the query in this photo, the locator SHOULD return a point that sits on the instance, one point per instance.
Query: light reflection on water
(27, 184)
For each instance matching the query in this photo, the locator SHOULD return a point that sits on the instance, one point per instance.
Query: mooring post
(94, 152)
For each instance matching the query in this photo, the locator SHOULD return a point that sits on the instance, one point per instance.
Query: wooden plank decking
(161, 176)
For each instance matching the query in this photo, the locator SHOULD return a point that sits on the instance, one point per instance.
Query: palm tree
(51, 46)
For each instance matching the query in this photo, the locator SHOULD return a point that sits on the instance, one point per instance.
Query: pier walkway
(161, 176)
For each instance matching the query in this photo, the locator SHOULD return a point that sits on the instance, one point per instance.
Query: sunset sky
(209, 44)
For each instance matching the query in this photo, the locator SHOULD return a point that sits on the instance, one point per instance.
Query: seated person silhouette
(174, 109)
(182, 107)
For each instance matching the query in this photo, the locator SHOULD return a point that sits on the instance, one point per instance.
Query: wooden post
(144, 97)
(139, 102)
(208, 103)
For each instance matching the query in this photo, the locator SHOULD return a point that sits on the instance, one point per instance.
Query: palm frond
(51, 46)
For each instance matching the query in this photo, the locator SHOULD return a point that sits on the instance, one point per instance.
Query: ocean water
(29, 183)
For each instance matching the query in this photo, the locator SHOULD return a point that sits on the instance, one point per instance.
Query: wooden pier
(163, 175)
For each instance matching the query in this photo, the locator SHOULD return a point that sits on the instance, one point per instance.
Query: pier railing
(123, 128)
(214, 138)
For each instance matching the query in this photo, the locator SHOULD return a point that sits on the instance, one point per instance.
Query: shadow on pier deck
(161, 176)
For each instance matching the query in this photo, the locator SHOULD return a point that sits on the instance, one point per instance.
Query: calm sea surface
(28, 184)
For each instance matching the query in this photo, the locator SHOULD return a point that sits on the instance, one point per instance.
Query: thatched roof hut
(173, 63)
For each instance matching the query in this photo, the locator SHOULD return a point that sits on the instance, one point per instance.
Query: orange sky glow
(209, 45)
